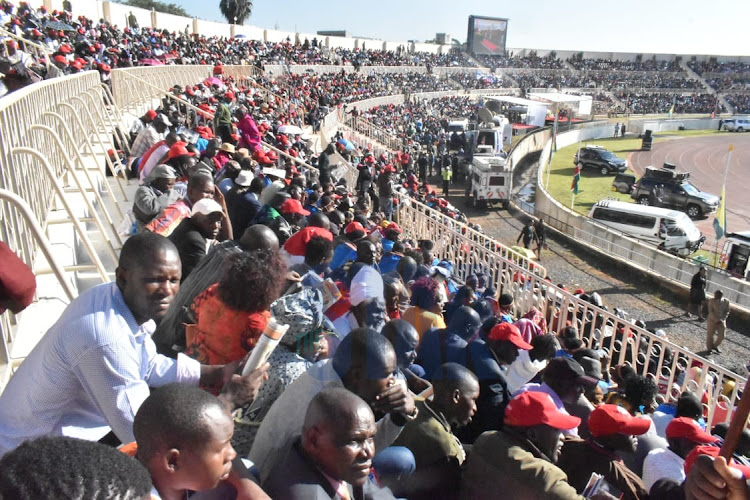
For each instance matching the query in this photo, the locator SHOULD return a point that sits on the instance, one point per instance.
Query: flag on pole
(576, 179)
(720, 221)
(671, 109)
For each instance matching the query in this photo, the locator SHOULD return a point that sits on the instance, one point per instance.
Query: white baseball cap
(206, 206)
(244, 178)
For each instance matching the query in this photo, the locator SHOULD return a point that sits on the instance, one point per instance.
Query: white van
(670, 230)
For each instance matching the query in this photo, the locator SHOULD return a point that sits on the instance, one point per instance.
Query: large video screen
(487, 35)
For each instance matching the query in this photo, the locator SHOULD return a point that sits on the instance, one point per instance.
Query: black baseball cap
(569, 369)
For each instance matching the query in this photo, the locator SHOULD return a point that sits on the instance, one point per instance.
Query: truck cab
(735, 256)
(484, 141)
(489, 181)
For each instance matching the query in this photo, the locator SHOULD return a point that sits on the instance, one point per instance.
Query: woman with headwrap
(303, 344)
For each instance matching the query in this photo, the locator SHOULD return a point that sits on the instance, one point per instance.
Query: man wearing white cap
(275, 177)
(150, 199)
(367, 304)
(197, 233)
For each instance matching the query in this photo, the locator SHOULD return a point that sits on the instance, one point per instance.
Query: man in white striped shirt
(93, 368)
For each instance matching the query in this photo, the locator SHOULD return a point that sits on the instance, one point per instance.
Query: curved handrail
(36, 230)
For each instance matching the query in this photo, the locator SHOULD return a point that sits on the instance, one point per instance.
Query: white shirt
(522, 370)
(663, 463)
(90, 372)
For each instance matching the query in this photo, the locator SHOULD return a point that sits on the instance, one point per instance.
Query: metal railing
(126, 90)
(463, 244)
(366, 127)
(12, 203)
(624, 343)
(45, 164)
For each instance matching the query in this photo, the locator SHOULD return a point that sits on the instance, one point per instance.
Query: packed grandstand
(250, 187)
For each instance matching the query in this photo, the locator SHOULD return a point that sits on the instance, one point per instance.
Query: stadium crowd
(514, 61)
(389, 377)
(661, 102)
(581, 63)
(425, 119)
(86, 45)
(741, 102)
(606, 80)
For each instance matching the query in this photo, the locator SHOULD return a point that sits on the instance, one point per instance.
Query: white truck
(489, 181)
(735, 256)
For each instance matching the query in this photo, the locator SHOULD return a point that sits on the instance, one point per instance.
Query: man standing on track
(718, 311)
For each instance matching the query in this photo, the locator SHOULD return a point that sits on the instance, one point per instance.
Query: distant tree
(169, 8)
(236, 11)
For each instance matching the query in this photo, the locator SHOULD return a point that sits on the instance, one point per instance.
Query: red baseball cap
(605, 420)
(229, 95)
(61, 59)
(151, 114)
(686, 427)
(292, 206)
(509, 331)
(393, 227)
(712, 451)
(179, 149)
(297, 244)
(354, 226)
(532, 408)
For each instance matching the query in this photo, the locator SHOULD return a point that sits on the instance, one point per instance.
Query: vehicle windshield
(690, 189)
(609, 155)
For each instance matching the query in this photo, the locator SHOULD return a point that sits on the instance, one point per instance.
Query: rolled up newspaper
(265, 346)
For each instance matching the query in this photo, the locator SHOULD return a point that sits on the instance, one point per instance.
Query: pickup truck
(677, 191)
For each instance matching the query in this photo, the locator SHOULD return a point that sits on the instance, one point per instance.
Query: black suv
(606, 162)
(677, 192)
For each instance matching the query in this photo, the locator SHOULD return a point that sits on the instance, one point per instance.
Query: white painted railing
(52, 133)
(667, 363)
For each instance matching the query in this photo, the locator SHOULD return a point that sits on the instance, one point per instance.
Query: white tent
(536, 111)
(580, 104)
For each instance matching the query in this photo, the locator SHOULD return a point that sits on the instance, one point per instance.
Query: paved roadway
(706, 158)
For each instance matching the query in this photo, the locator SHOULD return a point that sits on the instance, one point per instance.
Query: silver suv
(736, 124)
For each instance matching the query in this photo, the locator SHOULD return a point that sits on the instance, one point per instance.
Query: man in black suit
(333, 457)
(192, 235)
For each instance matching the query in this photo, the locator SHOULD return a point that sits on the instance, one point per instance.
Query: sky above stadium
(661, 26)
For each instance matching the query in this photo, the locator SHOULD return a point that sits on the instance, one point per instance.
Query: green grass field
(594, 186)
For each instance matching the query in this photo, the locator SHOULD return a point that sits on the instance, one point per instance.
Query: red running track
(705, 158)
